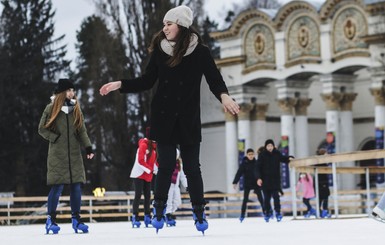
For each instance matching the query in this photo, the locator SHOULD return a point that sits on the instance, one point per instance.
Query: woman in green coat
(62, 125)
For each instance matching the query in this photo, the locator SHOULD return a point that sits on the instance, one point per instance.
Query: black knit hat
(63, 85)
(269, 141)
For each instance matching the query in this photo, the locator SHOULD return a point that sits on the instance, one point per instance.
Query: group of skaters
(177, 61)
(263, 175)
(143, 171)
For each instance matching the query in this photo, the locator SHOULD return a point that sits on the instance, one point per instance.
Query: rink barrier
(27, 210)
(309, 164)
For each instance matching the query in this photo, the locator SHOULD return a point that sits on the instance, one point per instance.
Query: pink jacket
(307, 186)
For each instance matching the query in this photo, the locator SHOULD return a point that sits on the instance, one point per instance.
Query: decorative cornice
(375, 38)
(304, 60)
(261, 66)
(289, 8)
(351, 53)
(376, 8)
(239, 21)
(329, 8)
(230, 61)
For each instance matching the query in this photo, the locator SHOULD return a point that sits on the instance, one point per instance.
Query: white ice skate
(378, 214)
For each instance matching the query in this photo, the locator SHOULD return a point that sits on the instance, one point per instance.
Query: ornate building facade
(307, 76)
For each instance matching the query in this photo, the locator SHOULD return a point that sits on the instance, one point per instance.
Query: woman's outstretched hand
(229, 105)
(108, 87)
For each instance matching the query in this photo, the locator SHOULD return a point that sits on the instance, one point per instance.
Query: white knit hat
(181, 15)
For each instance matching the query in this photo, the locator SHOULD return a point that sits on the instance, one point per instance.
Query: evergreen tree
(102, 58)
(28, 62)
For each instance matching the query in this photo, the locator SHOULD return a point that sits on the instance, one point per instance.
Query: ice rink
(255, 230)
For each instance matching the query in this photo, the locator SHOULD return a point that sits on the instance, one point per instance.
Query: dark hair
(181, 45)
(249, 150)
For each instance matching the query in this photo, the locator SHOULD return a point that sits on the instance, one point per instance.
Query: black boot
(199, 217)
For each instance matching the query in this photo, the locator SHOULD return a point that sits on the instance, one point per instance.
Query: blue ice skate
(147, 220)
(78, 225)
(199, 217)
(170, 221)
(279, 217)
(325, 214)
(242, 218)
(268, 216)
(50, 225)
(135, 221)
(158, 219)
(310, 213)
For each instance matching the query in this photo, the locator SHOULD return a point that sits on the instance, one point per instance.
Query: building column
(379, 124)
(258, 125)
(301, 127)
(287, 123)
(231, 150)
(244, 126)
(287, 136)
(347, 135)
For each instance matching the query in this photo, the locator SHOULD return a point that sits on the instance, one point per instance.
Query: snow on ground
(221, 231)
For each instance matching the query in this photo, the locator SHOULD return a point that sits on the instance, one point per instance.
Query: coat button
(166, 81)
(180, 83)
(165, 96)
(161, 112)
(178, 99)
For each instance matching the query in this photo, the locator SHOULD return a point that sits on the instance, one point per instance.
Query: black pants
(277, 203)
(145, 187)
(246, 192)
(306, 201)
(323, 202)
(191, 168)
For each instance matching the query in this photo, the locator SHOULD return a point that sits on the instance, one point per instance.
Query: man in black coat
(247, 169)
(269, 177)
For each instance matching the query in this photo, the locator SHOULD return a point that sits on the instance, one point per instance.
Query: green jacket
(64, 162)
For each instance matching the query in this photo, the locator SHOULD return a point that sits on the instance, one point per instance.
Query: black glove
(89, 150)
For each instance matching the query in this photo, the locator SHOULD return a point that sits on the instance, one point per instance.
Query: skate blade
(376, 218)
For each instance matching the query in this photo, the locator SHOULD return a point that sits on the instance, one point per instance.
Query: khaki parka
(64, 162)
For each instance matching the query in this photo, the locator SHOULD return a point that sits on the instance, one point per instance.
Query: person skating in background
(323, 189)
(174, 194)
(269, 178)
(248, 169)
(177, 62)
(62, 125)
(305, 186)
(142, 173)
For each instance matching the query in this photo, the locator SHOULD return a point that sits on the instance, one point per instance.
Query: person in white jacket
(174, 197)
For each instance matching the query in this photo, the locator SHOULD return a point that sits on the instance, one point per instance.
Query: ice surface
(221, 231)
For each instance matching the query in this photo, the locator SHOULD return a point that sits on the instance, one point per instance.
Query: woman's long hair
(150, 147)
(181, 45)
(58, 102)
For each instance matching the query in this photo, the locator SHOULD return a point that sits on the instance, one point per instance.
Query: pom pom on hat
(181, 15)
(269, 141)
(63, 85)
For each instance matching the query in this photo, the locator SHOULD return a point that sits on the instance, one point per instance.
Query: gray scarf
(168, 46)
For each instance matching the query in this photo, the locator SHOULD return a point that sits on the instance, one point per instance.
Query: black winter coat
(269, 169)
(175, 107)
(248, 170)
